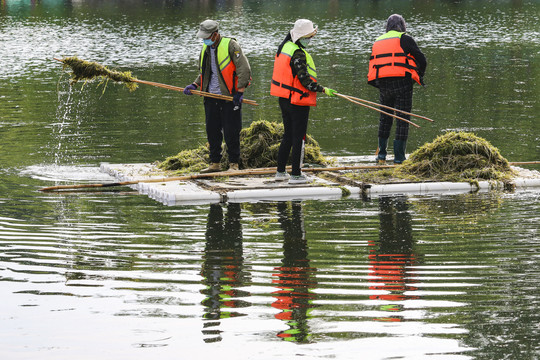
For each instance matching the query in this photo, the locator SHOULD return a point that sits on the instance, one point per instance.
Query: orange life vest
(389, 60)
(227, 69)
(285, 84)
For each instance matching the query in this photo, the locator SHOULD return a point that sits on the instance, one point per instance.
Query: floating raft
(263, 187)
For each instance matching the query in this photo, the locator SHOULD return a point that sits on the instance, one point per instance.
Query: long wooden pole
(177, 88)
(524, 163)
(373, 108)
(196, 92)
(389, 108)
(260, 171)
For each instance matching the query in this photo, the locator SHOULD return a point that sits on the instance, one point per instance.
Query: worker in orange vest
(395, 64)
(224, 70)
(294, 81)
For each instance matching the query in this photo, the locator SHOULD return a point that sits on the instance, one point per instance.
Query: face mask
(305, 41)
(208, 42)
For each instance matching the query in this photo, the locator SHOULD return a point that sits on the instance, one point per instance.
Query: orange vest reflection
(295, 277)
(222, 269)
(391, 258)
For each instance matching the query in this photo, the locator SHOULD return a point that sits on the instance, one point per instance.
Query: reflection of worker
(222, 267)
(224, 70)
(391, 256)
(295, 276)
(294, 81)
(395, 62)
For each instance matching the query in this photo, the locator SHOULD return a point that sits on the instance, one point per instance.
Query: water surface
(116, 275)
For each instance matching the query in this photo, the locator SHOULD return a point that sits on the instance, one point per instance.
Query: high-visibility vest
(227, 69)
(285, 85)
(389, 60)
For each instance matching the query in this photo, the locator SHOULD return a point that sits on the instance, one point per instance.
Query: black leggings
(295, 121)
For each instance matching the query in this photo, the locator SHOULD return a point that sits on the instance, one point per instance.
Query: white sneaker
(281, 176)
(298, 179)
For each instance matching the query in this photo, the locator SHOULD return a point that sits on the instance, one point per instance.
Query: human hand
(237, 100)
(329, 92)
(187, 89)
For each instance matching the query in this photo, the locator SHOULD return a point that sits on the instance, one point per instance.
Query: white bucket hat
(303, 28)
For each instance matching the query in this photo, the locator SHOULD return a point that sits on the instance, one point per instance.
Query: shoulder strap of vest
(222, 52)
(289, 48)
(203, 50)
(223, 56)
(224, 43)
(390, 35)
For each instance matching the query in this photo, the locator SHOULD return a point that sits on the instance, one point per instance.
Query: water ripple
(142, 43)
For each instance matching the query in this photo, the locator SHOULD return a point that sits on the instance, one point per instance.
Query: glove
(187, 89)
(329, 91)
(237, 100)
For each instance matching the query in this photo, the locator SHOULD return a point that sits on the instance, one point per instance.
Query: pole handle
(371, 107)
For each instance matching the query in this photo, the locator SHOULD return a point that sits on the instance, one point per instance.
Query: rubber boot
(399, 151)
(381, 154)
(214, 167)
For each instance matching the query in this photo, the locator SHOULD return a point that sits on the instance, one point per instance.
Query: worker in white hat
(294, 81)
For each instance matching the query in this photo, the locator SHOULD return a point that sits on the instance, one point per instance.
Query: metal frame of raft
(265, 188)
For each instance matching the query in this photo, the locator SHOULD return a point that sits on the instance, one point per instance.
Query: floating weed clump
(370, 176)
(187, 161)
(456, 156)
(86, 70)
(259, 146)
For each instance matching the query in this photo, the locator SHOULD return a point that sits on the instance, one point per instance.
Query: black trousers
(295, 121)
(396, 93)
(223, 122)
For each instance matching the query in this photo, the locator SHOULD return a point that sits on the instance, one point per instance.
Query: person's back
(396, 62)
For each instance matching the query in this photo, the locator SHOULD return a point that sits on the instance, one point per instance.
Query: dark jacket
(409, 46)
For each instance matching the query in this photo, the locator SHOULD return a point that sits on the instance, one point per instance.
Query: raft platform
(322, 185)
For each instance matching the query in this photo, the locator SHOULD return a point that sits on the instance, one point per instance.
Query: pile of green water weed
(259, 146)
(87, 70)
(453, 156)
(188, 161)
(457, 156)
(373, 176)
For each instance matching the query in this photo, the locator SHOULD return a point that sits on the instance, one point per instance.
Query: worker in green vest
(294, 82)
(396, 63)
(223, 70)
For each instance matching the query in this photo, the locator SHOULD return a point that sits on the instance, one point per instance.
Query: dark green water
(117, 275)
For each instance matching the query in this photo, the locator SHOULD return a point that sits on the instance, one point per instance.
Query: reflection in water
(222, 269)
(295, 277)
(465, 209)
(391, 257)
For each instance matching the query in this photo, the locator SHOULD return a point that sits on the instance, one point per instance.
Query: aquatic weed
(457, 156)
(259, 146)
(453, 156)
(86, 70)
